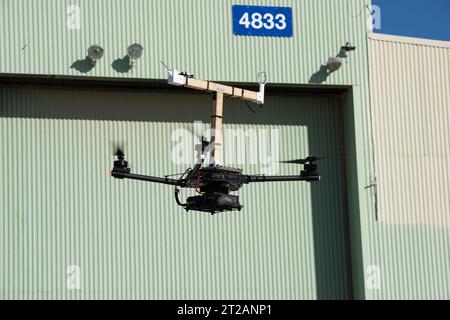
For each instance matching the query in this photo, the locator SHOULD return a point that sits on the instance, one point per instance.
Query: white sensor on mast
(187, 79)
(175, 78)
(262, 79)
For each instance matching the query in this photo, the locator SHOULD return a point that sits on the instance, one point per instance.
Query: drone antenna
(164, 65)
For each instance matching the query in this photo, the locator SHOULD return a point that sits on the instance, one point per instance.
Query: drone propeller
(120, 164)
(310, 168)
(205, 143)
(118, 150)
(309, 159)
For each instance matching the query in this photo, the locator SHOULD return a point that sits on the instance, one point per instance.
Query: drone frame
(214, 182)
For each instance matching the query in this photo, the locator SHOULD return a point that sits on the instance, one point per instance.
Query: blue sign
(262, 21)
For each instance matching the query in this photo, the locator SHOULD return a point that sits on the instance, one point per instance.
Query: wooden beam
(234, 92)
(220, 88)
(237, 93)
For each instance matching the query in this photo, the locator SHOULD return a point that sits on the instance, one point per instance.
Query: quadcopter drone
(214, 182)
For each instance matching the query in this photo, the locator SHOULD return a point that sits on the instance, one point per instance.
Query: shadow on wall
(320, 76)
(322, 116)
(121, 65)
(332, 260)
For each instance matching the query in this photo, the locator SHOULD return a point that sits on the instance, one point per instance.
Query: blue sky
(415, 18)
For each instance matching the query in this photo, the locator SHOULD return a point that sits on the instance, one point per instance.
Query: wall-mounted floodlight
(134, 52)
(348, 47)
(95, 53)
(334, 64)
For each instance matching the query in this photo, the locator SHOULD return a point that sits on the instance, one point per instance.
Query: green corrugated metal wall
(60, 207)
(36, 41)
(191, 35)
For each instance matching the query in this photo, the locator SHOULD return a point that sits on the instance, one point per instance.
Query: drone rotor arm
(263, 178)
(133, 176)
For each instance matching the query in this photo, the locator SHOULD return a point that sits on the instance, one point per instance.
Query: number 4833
(267, 21)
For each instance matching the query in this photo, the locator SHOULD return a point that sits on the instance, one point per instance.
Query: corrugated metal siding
(410, 93)
(59, 206)
(37, 41)
(193, 35)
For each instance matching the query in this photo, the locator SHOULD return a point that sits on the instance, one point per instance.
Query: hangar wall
(129, 238)
(410, 99)
(38, 44)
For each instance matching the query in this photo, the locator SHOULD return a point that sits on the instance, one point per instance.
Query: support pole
(216, 126)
